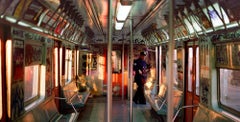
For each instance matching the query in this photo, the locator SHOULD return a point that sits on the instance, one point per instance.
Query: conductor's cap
(143, 53)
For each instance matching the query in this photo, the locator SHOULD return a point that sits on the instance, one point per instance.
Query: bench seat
(45, 112)
(159, 102)
(203, 114)
(71, 98)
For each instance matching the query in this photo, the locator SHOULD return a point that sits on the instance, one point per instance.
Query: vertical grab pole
(171, 45)
(109, 64)
(131, 72)
(160, 66)
(123, 51)
(156, 83)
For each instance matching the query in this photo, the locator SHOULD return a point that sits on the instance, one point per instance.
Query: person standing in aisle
(140, 68)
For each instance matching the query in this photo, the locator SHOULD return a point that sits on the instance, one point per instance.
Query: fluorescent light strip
(23, 24)
(10, 19)
(37, 29)
(60, 63)
(123, 11)
(232, 25)
(8, 73)
(42, 80)
(56, 65)
(77, 62)
(119, 25)
(45, 31)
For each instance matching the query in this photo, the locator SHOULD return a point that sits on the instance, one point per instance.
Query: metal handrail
(183, 107)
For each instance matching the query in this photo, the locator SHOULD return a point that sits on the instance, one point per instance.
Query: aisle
(95, 111)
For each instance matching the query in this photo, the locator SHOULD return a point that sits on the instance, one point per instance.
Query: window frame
(222, 106)
(68, 60)
(37, 63)
(33, 99)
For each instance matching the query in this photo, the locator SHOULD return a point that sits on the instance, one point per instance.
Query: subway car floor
(96, 110)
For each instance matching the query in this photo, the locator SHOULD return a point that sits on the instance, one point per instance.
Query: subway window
(33, 58)
(215, 13)
(190, 65)
(56, 66)
(175, 68)
(229, 88)
(68, 65)
(228, 73)
(197, 72)
(31, 89)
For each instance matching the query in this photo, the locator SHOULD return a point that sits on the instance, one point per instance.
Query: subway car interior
(75, 60)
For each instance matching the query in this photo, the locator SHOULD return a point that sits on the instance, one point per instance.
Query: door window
(68, 65)
(190, 65)
(197, 72)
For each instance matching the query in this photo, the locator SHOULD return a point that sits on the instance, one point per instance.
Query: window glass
(101, 65)
(230, 88)
(31, 89)
(192, 23)
(179, 69)
(214, 15)
(116, 61)
(68, 65)
(197, 71)
(175, 68)
(190, 64)
(56, 66)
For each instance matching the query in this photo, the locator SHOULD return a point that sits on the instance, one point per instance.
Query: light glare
(11, 19)
(119, 25)
(123, 11)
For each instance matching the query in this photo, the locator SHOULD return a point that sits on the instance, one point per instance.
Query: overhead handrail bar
(149, 14)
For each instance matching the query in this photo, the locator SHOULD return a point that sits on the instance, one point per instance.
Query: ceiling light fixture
(118, 25)
(123, 9)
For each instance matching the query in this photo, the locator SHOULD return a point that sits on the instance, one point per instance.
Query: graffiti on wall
(49, 74)
(204, 48)
(17, 100)
(18, 58)
(33, 54)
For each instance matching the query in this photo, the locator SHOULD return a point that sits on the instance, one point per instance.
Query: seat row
(159, 101)
(70, 98)
(159, 104)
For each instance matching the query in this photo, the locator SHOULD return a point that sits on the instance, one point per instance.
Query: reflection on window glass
(190, 64)
(31, 87)
(230, 88)
(193, 25)
(68, 65)
(56, 66)
(175, 62)
(175, 68)
(197, 71)
(100, 67)
(116, 61)
(214, 14)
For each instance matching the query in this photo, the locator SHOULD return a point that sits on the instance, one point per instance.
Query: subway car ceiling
(85, 22)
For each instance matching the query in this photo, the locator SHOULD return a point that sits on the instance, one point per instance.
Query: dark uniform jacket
(141, 68)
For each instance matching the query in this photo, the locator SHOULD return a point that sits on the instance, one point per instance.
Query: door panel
(192, 80)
